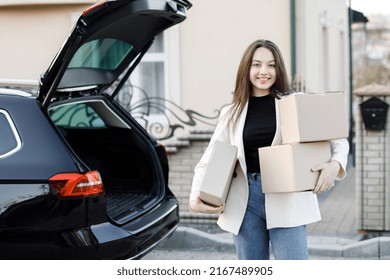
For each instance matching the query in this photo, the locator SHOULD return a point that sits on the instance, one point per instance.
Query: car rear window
(9, 138)
(76, 115)
(104, 54)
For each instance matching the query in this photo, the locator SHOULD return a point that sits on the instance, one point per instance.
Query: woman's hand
(328, 174)
(198, 206)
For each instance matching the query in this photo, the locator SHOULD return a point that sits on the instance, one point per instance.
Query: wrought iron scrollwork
(159, 116)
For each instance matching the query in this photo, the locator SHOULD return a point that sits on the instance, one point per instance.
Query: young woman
(259, 220)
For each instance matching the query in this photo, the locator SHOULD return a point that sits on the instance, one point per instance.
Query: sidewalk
(334, 237)
(338, 210)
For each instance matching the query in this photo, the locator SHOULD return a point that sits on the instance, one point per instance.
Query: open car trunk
(104, 142)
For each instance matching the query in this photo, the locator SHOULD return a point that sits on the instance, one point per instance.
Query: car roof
(106, 43)
(10, 91)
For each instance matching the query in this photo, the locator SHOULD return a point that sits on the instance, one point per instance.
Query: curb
(186, 238)
(320, 247)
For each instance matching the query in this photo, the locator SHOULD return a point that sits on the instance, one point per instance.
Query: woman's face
(262, 74)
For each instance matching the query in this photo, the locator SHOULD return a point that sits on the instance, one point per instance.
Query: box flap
(276, 160)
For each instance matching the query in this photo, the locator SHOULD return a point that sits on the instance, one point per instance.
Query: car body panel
(74, 125)
(31, 164)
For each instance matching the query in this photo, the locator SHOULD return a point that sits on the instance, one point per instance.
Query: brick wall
(372, 154)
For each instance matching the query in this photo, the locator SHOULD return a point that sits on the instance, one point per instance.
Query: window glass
(152, 81)
(158, 44)
(9, 139)
(76, 115)
(106, 54)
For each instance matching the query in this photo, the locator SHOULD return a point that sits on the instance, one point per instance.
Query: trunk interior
(131, 179)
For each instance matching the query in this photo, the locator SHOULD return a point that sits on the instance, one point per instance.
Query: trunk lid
(106, 44)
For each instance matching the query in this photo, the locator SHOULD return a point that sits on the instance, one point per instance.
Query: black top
(259, 129)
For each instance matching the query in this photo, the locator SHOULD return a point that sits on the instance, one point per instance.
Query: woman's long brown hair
(243, 88)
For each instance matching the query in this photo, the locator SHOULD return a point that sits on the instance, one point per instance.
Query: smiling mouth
(263, 79)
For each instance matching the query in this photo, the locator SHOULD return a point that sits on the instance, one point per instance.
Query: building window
(150, 75)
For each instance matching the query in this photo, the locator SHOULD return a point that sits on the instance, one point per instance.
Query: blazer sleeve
(340, 151)
(220, 134)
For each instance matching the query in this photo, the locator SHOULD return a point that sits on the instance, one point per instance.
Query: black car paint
(34, 222)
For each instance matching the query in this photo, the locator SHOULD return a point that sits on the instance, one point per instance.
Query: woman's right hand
(198, 206)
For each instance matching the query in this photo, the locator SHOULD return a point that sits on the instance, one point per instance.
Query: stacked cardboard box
(308, 122)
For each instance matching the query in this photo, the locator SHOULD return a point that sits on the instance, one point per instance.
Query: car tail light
(77, 184)
(86, 11)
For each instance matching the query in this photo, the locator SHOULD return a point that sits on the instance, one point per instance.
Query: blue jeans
(254, 241)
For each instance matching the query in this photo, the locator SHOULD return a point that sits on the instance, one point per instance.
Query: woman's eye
(271, 65)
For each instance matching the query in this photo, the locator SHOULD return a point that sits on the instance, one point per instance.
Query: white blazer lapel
(278, 136)
(237, 138)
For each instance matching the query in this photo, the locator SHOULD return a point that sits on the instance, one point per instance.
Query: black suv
(80, 178)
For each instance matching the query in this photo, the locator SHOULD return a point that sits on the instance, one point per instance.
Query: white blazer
(282, 210)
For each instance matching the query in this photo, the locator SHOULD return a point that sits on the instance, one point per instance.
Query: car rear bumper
(103, 241)
(148, 231)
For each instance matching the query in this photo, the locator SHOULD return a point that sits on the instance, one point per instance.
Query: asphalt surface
(335, 237)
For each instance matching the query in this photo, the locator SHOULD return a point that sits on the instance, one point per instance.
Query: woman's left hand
(198, 206)
(328, 174)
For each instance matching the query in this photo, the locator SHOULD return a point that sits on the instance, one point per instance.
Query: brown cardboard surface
(287, 168)
(313, 117)
(218, 175)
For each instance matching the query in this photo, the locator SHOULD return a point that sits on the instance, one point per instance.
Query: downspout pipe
(293, 40)
(351, 122)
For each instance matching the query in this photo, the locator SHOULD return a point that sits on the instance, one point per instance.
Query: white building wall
(213, 39)
(31, 35)
(209, 43)
(322, 44)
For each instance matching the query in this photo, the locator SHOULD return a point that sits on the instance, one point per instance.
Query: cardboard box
(313, 117)
(287, 168)
(219, 173)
